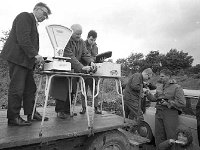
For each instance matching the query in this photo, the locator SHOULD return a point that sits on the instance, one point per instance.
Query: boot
(83, 110)
(97, 111)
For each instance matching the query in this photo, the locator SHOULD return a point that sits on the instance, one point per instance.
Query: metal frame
(50, 74)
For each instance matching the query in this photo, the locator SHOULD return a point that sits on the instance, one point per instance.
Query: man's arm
(179, 101)
(68, 52)
(94, 52)
(166, 144)
(136, 82)
(86, 56)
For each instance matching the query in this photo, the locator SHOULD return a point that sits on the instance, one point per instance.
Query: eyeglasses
(44, 13)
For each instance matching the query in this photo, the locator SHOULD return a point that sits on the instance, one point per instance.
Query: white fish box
(108, 69)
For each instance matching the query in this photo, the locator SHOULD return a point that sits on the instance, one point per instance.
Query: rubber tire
(149, 134)
(101, 140)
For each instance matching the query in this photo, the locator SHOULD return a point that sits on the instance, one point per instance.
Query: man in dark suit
(77, 51)
(21, 52)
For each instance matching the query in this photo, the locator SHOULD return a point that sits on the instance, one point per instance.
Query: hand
(102, 59)
(93, 67)
(171, 141)
(168, 104)
(39, 59)
(146, 91)
(86, 69)
(164, 102)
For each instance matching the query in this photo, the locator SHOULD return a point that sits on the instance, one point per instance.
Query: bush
(4, 76)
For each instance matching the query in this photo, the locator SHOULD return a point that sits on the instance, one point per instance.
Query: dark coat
(173, 92)
(77, 51)
(133, 89)
(132, 96)
(92, 50)
(22, 44)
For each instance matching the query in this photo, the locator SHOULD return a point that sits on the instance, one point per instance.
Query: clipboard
(104, 55)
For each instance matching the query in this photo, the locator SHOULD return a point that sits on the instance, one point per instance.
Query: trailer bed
(55, 128)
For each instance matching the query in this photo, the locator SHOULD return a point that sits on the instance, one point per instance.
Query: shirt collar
(36, 21)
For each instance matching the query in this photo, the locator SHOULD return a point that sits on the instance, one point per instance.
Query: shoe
(68, 112)
(97, 111)
(18, 122)
(83, 111)
(62, 115)
(74, 114)
(36, 117)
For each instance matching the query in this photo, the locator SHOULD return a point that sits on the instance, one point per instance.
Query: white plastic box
(108, 69)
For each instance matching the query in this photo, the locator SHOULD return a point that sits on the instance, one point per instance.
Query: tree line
(176, 61)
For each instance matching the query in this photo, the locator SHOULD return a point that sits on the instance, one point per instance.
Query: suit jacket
(22, 44)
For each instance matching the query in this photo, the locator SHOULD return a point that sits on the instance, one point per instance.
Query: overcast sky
(123, 26)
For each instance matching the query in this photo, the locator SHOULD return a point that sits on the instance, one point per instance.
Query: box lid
(59, 36)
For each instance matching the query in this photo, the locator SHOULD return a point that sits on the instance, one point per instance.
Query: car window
(190, 108)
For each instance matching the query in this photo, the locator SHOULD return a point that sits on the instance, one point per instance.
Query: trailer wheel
(144, 130)
(110, 140)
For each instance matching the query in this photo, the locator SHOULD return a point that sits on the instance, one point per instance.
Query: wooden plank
(55, 128)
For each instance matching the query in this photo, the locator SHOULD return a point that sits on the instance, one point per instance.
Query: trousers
(59, 90)
(132, 111)
(166, 122)
(89, 85)
(22, 88)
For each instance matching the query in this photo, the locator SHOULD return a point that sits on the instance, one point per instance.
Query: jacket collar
(35, 19)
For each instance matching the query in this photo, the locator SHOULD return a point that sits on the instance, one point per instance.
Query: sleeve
(68, 52)
(94, 52)
(86, 56)
(23, 32)
(135, 83)
(164, 145)
(179, 100)
(151, 97)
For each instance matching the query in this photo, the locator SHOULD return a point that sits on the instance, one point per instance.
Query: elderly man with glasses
(133, 94)
(21, 52)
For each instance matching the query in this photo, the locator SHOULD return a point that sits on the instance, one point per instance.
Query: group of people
(82, 54)
(21, 51)
(170, 100)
